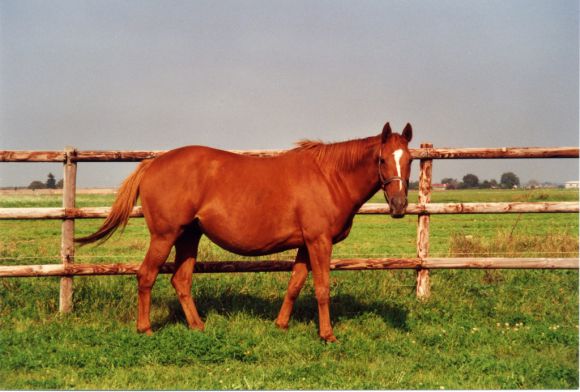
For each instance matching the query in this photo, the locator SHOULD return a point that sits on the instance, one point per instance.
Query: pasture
(480, 329)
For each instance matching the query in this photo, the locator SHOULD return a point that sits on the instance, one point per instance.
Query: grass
(508, 245)
(493, 195)
(480, 330)
(456, 196)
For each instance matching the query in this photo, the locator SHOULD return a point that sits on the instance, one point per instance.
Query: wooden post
(423, 281)
(67, 250)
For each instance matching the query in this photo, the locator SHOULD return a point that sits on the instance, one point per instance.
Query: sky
(155, 75)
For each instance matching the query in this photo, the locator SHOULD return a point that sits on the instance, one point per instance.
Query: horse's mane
(341, 155)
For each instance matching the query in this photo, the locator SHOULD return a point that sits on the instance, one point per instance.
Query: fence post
(67, 250)
(423, 281)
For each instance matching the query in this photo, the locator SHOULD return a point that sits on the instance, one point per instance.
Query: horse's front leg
(297, 279)
(320, 250)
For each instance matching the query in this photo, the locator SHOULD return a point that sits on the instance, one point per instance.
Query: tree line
(507, 180)
(50, 183)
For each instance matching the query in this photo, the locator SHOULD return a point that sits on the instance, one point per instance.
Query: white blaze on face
(397, 155)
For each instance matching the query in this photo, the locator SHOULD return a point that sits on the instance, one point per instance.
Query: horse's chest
(343, 232)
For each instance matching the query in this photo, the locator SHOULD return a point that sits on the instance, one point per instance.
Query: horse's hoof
(330, 339)
(197, 327)
(146, 331)
(283, 327)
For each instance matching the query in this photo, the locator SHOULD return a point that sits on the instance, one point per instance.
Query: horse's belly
(251, 239)
(248, 247)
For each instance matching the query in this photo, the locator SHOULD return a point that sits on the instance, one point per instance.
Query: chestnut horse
(305, 198)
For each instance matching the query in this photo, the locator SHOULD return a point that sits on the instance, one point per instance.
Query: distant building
(571, 185)
(439, 187)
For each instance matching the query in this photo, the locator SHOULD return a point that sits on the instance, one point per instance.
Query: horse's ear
(386, 132)
(408, 132)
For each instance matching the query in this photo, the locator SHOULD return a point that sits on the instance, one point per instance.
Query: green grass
(480, 330)
(492, 195)
(456, 196)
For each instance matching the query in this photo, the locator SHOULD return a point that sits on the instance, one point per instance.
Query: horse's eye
(381, 160)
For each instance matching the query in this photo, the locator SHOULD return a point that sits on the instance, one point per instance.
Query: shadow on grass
(342, 306)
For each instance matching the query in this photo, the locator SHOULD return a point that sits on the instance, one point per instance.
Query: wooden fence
(424, 209)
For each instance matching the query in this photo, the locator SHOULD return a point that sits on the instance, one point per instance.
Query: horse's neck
(361, 181)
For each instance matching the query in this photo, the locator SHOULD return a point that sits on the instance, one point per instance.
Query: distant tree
(548, 184)
(493, 183)
(37, 185)
(486, 184)
(533, 184)
(50, 181)
(414, 185)
(60, 184)
(470, 181)
(450, 182)
(509, 180)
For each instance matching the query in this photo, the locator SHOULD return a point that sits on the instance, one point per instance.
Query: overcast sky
(263, 74)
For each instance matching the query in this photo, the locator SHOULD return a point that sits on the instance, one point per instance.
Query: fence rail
(416, 153)
(424, 209)
(353, 264)
(366, 209)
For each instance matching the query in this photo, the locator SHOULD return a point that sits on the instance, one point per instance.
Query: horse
(304, 198)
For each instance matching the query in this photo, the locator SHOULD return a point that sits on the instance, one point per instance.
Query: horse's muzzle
(398, 206)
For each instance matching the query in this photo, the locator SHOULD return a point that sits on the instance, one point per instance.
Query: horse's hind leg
(185, 255)
(159, 249)
(297, 279)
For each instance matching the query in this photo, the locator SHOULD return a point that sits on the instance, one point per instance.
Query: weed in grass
(507, 244)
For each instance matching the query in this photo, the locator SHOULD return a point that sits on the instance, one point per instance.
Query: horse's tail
(122, 207)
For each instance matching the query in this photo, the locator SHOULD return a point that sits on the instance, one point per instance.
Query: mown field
(479, 330)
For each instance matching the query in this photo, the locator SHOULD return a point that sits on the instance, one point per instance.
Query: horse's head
(395, 168)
